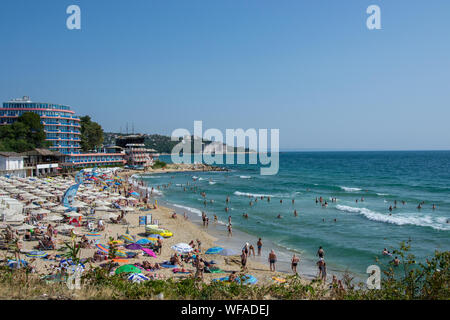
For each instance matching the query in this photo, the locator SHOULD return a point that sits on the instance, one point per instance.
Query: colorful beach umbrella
(214, 250)
(102, 248)
(151, 253)
(36, 254)
(127, 268)
(93, 234)
(127, 238)
(137, 277)
(133, 246)
(144, 241)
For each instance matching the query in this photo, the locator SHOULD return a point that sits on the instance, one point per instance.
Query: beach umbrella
(64, 227)
(54, 218)
(137, 277)
(24, 227)
(151, 253)
(102, 208)
(108, 216)
(127, 268)
(31, 206)
(156, 236)
(182, 247)
(228, 252)
(214, 250)
(73, 214)
(40, 211)
(133, 246)
(59, 208)
(102, 248)
(126, 238)
(14, 265)
(36, 254)
(92, 234)
(144, 241)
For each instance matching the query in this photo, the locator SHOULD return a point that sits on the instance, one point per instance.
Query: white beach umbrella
(64, 227)
(15, 218)
(31, 206)
(24, 227)
(59, 208)
(54, 218)
(126, 209)
(182, 247)
(107, 216)
(102, 208)
(73, 214)
(40, 211)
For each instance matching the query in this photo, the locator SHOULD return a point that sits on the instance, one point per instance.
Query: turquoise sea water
(361, 230)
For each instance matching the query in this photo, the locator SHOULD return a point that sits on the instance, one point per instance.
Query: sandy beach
(184, 231)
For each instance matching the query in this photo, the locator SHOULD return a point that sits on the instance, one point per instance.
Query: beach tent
(137, 277)
(228, 252)
(214, 250)
(127, 268)
(182, 247)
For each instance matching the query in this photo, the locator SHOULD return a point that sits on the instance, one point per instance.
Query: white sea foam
(348, 189)
(212, 182)
(382, 194)
(399, 218)
(193, 210)
(246, 194)
(245, 177)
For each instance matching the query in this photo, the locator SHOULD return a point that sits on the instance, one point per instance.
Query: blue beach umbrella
(214, 250)
(144, 241)
(156, 236)
(137, 278)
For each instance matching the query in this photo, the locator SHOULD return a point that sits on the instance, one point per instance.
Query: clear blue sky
(310, 68)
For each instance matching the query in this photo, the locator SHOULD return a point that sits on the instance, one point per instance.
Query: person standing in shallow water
(272, 260)
(294, 263)
(259, 245)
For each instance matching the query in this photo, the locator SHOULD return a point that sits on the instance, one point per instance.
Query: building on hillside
(62, 128)
(136, 155)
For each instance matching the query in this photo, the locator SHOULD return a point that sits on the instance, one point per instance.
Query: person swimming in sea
(295, 213)
(419, 206)
(434, 207)
(390, 208)
(279, 216)
(245, 215)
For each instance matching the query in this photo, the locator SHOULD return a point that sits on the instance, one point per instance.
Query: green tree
(25, 134)
(91, 134)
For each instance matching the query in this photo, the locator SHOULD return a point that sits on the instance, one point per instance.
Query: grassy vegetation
(159, 164)
(411, 280)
